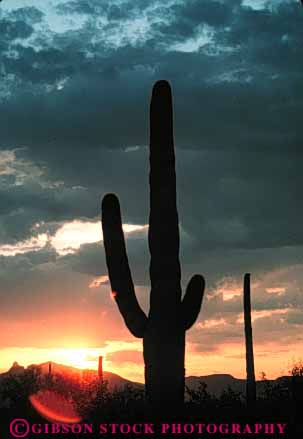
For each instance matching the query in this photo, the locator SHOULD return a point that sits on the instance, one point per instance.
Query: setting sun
(81, 358)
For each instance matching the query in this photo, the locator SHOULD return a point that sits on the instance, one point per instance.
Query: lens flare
(54, 407)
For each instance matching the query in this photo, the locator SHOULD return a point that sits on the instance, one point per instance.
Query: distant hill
(114, 380)
(15, 370)
(218, 382)
(215, 383)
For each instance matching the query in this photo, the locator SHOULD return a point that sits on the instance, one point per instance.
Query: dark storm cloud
(80, 99)
(28, 200)
(29, 15)
(187, 18)
(76, 7)
(111, 10)
(18, 24)
(13, 30)
(32, 208)
(19, 268)
(109, 83)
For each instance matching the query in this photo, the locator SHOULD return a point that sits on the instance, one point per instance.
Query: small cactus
(163, 330)
(250, 367)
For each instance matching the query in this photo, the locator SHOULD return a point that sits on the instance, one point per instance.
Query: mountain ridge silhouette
(216, 383)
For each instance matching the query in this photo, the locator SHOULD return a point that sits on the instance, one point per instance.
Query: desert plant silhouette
(163, 331)
(250, 366)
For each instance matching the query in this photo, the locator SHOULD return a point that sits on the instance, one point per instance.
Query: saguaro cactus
(250, 367)
(163, 331)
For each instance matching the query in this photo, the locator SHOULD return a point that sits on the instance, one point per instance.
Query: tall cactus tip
(161, 86)
(109, 202)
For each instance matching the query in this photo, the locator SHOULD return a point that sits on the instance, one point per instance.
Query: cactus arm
(192, 301)
(118, 268)
(163, 233)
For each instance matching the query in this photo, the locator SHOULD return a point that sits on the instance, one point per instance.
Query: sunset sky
(76, 78)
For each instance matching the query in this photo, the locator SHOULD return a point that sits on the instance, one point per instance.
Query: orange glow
(114, 295)
(54, 407)
(80, 358)
(273, 357)
(77, 358)
(99, 281)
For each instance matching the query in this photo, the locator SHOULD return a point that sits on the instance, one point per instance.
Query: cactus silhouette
(250, 367)
(163, 330)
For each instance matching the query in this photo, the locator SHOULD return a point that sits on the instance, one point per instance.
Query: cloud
(223, 212)
(97, 282)
(125, 357)
(275, 290)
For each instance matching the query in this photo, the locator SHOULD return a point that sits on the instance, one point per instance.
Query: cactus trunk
(250, 367)
(163, 330)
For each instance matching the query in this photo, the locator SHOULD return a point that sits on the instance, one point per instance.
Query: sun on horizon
(124, 359)
(80, 358)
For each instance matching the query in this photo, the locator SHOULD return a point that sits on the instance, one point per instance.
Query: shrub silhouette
(200, 394)
(231, 398)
